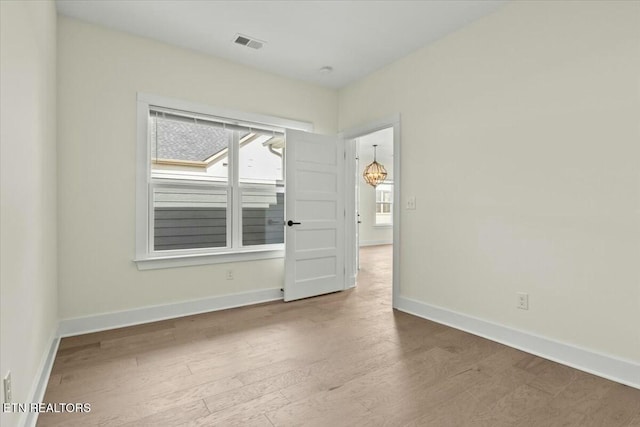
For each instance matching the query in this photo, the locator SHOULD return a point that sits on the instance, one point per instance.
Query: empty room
(317, 213)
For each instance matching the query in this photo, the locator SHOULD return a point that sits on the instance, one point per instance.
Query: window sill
(383, 226)
(154, 263)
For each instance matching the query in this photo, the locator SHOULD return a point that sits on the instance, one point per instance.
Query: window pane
(261, 158)
(189, 218)
(185, 148)
(262, 216)
(384, 204)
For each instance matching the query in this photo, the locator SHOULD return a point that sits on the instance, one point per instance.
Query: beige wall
(521, 143)
(100, 72)
(28, 314)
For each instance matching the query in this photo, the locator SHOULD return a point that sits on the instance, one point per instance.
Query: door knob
(290, 223)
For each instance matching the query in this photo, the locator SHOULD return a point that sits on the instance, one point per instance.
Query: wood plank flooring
(344, 359)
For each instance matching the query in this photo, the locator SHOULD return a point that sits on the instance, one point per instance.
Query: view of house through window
(262, 185)
(214, 185)
(384, 204)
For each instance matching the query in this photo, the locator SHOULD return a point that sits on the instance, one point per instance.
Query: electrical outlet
(411, 203)
(229, 274)
(523, 301)
(6, 382)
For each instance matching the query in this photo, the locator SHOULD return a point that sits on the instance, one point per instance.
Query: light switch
(411, 203)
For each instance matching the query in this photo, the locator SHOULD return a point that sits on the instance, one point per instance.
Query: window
(208, 187)
(384, 204)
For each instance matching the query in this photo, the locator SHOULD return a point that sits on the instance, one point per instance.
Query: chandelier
(375, 173)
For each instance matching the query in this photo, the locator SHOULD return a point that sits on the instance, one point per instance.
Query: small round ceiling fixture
(326, 69)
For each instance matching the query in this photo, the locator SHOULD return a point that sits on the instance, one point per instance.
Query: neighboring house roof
(187, 141)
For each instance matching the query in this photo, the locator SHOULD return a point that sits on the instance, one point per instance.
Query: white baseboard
(612, 368)
(119, 319)
(39, 386)
(363, 243)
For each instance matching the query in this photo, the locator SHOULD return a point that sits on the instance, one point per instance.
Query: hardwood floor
(344, 359)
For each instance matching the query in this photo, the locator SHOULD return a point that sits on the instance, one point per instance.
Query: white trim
(154, 313)
(364, 243)
(383, 123)
(606, 366)
(396, 211)
(231, 115)
(143, 224)
(350, 208)
(206, 258)
(39, 386)
(236, 194)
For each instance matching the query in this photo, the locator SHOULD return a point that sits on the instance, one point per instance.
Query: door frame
(349, 135)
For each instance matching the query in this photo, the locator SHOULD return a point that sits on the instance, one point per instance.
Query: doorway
(374, 204)
(373, 213)
(322, 242)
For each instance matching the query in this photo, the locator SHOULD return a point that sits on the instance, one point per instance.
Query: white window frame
(375, 209)
(146, 258)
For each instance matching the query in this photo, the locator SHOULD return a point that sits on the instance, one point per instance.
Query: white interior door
(314, 215)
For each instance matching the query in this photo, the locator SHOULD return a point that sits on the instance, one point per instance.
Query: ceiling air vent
(248, 41)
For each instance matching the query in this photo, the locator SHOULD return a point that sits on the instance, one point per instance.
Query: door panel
(312, 239)
(314, 263)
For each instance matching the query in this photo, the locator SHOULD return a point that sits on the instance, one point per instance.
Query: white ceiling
(354, 37)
